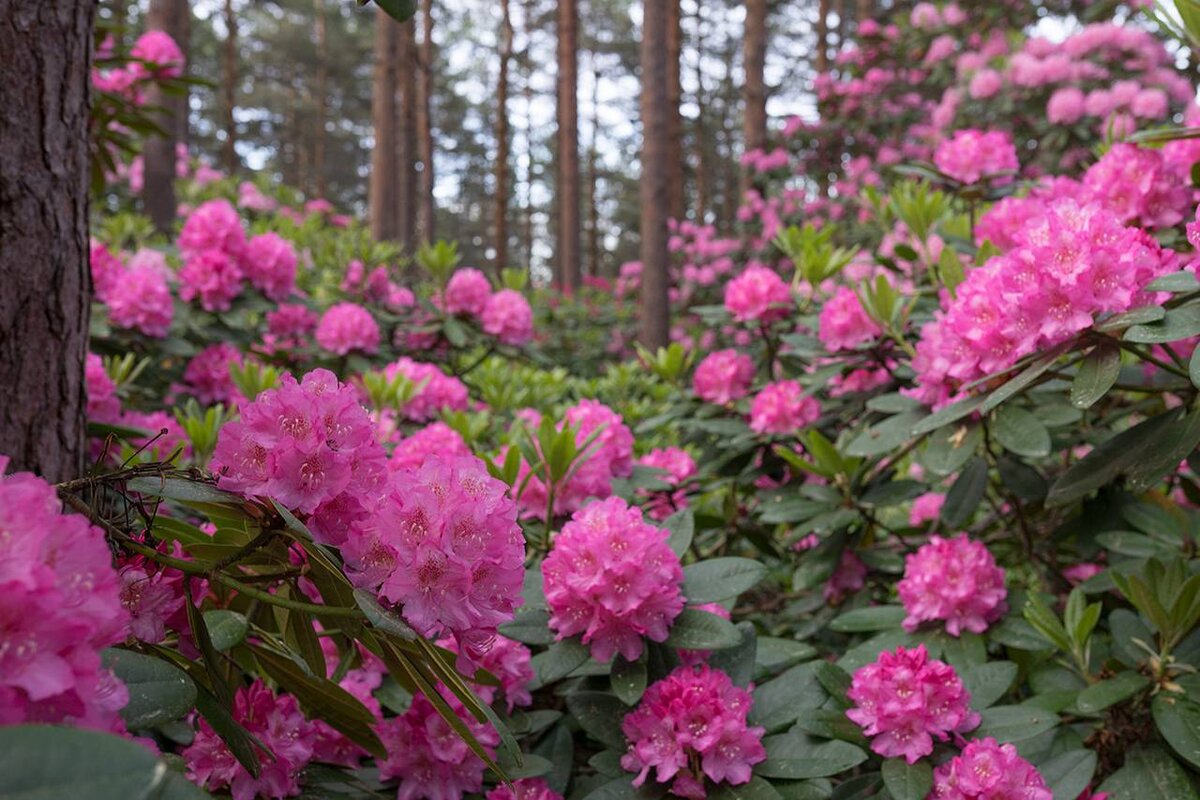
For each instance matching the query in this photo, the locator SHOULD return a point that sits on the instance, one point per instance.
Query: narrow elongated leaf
(559, 661)
(1100, 696)
(1068, 774)
(1097, 374)
(694, 629)
(682, 525)
(720, 579)
(1178, 720)
(1178, 323)
(1110, 459)
(1020, 432)
(1149, 774)
(225, 628)
(1025, 378)
(158, 691)
(756, 789)
(1014, 723)
(966, 494)
(796, 756)
(873, 618)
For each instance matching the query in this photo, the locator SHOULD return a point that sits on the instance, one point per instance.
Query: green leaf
(43, 762)
(987, 683)
(907, 781)
(225, 628)
(891, 493)
(183, 490)
(944, 416)
(1013, 723)
(796, 756)
(1178, 323)
(966, 494)
(720, 579)
(1149, 774)
(382, 618)
(1100, 696)
(948, 449)
(245, 748)
(834, 680)
(774, 654)
(559, 661)
(1194, 367)
(694, 629)
(1025, 378)
(399, 10)
(779, 701)
(738, 662)
(1110, 459)
(885, 436)
(1097, 374)
(1178, 720)
(628, 678)
(158, 692)
(529, 626)
(1069, 773)
(874, 618)
(623, 789)
(682, 525)
(756, 789)
(1020, 432)
(600, 715)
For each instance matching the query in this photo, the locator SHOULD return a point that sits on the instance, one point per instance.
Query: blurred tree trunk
(699, 127)
(567, 189)
(502, 138)
(383, 188)
(754, 91)
(590, 199)
(229, 83)
(866, 9)
(526, 233)
(676, 202)
(822, 35)
(428, 216)
(654, 311)
(320, 145)
(407, 198)
(45, 103)
(158, 154)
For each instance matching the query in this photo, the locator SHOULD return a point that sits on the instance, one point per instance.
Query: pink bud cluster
(611, 577)
(437, 392)
(783, 408)
(276, 721)
(723, 376)
(689, 727)
(758, 294)
(972, 155)
(955, 581)
(348, 327)
(905, 700)
(986, 770)
(59, 606)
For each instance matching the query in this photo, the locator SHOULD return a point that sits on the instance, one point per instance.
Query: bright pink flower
(973, 155)
(346, 327)
(690, 728)
(207, 376)
(270, 264)
(679, 467)
(508, 317)
(437, 438)
(141, 300)
(467, 292)
(106, 270)
(524, 789)
(161, 56)
(510, 662)
(723, 376)
(1066, 106)
(758, 295)
(849, 576)
(437, 391)
(275, 721)
(955, 581)
(1135, 184)
(926, 508)
(783, 407)
(985, 83)
(844, 324)
(213, 276)
(290, 324)
(611, 577)
(905, 700)
(251, 198)
(103, 404)
(214, 225)
(986, 770)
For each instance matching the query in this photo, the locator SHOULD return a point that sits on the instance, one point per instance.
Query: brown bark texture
(500, 212)
(754, 91)
(407, 158)
(568, 268)
(229, 83)
(158, 153)
(382, 189)
(45, 102)
(320, 146)
(676, 203)
(654, 311)
(428, 215)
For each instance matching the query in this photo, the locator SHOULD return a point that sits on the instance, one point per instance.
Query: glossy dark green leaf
(682, 525)
(1149, 773)
(1178, 720)
(1069, 773)
(1020, 432)
(872, 618)
(988, 682)
(1097, 373)
(694, 629)
(600, 715)
(719, 579)
(559, 661)
(797, 756)
(225, 628)
(530, 626)
(158, 692)
(907, 781)
(966, 494)
(1014, 723)
(1178, 323)
(628, 678)
(738, 662)
(1111, 691)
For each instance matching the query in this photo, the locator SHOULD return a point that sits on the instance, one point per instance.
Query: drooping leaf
(907, 781)
(158, 692)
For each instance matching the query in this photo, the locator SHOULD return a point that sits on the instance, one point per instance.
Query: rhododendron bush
(908, 508)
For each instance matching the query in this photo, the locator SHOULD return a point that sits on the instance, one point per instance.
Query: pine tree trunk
(699, 127)
(384, 168)
(822, 35)
(654, 310)
(320, 145)
(158, 154)
(590, 200)
(754, 92)
(866, 9)
(428, 220)
(502, 139)
(407, 204)
(529, 168)
(45, 101)
(567, 191)
(676, 204)
(229, 83)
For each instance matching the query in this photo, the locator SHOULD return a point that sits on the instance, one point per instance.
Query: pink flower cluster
(758, 294)
(679, 467)
(444, 546)
(508, 317)
(955, 581)
(213, 243)
(783, 408)
(207, 376)
(103, 405)
(59, 606)
(843, 324)
(1137, 186)
(311, 446)
(972, 155)
(986, 770)
(723, 376)
(689, 726)
(524, 789)
(346, 327)
(467, 292)
(611, 577)
(905, 700)
(1070, 262)
(276, 721)
(437, 438)
(438, 391)
(509, 662)
(269, 262)
(138, 295)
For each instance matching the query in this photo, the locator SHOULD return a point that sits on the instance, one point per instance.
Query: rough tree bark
(45, 101)
(590, 199)
(406, 200)
(428, 216)
(229, 83)
(383, 188)
(676, 202)
(822, 36)
(500, 221)
(754, 91)
(654, 310)
(320, 145)
(158, 154)
(567, 189)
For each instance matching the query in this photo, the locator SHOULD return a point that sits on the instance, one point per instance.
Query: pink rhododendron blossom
(509, 662)
(689, 729)
(926, 508)
(150, 598)
(985, 83)
(276, 721)
(207, 376)
(758, 295)
(679, 467)
(141, 300)
(214, 225)
(955, 581)
(436, 392)
(346, 327)
(1065, 106)
(213, 276)
(106, 270)
(467, 292)
(508, 317)
(60, 604)
(269, 263)
(103, 404)
(158, 55)
(437, 438)
(905, 700)
(524, 789)
(971, 155)
(985, 770)
(783, 407)
(1134, 184)
(843, 324)
(611, 578)
(848, 578)
(723, 376)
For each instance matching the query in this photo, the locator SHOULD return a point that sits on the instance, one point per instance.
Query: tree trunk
(866, 9)
(407, 198)
(428, 216)
(229, 84)
(676, 203)
(699, 127)
(590, 200)
(502, 155)
(567, 190)
(822, 35)
(384, 168)
(754, 92)
(158, 154)
(45, 103)
(320, 145)
(654, 310)
(526, 232)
